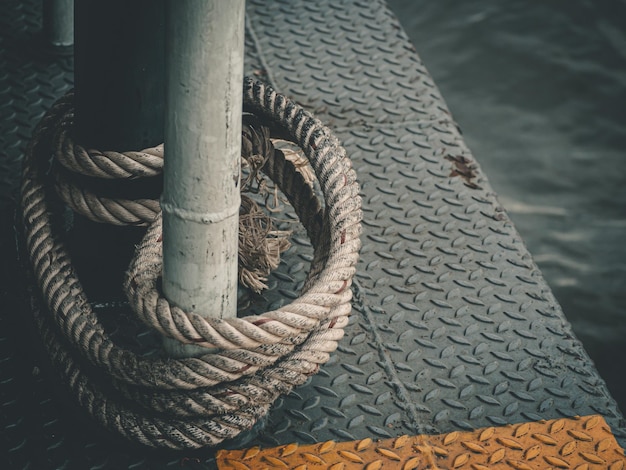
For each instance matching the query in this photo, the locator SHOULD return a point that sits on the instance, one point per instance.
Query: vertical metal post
(58, 22)
(201, 199)
(119, 75)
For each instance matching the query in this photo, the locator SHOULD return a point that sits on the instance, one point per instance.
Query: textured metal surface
(454, 327)
(347, 61)
(562, 443)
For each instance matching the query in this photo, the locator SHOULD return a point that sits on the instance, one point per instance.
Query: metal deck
(453, 328)
(560, 443)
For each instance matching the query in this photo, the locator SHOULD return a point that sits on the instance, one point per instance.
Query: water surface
(539, 91)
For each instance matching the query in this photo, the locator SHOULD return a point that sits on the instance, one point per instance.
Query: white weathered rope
(110, 165)
(193, 402)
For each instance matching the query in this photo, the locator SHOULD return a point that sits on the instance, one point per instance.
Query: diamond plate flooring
(583, 442)
(453, 328)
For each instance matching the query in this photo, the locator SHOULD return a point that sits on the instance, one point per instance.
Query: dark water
(539, 90)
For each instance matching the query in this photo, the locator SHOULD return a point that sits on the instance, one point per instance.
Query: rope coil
(192, 402)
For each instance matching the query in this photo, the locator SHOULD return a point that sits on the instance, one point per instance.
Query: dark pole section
(119, 73)
(119, 67)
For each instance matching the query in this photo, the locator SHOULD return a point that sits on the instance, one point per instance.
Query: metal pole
(58, 22)
(200, 202)
(119, 75)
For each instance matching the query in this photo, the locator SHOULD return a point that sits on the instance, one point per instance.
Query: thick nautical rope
(83, 180)
(194, 402)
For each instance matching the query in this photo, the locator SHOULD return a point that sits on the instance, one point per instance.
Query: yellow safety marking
(581, 443)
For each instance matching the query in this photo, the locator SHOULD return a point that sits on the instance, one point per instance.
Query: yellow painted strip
(585, 443)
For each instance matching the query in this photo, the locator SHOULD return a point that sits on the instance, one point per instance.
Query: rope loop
(190, 402)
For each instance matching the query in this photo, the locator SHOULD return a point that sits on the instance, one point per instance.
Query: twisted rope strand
(109, 164)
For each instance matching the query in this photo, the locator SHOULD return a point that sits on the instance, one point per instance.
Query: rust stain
(465, 168)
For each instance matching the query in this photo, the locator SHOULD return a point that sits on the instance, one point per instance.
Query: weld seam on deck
(388, 365)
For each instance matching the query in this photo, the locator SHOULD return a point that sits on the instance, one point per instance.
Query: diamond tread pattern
(561, 443)
(453, 326)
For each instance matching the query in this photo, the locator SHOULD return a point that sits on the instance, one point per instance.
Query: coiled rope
(83, 176)
(200, 401)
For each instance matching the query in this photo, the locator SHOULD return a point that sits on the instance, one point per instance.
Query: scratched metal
(453, 326)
